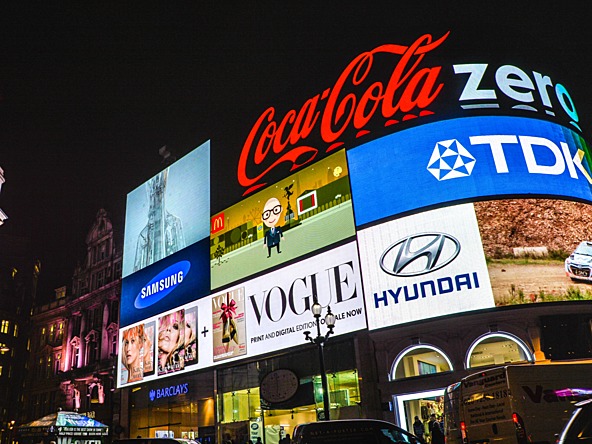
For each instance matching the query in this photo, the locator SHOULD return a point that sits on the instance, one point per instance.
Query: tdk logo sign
(162, 284)
(451, 160)
(419, 254)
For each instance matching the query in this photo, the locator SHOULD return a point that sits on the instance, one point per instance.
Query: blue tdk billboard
(166, 245)
(467, 159)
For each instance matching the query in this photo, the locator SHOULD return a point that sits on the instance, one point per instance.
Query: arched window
(419, 360)
(497, 349)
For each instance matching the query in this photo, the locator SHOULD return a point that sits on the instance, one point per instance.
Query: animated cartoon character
(270, 217)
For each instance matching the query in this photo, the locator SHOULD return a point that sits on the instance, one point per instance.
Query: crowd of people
(435, 429)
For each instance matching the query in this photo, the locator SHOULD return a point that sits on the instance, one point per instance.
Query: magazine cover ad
(135, 354)
(149, 342)
(171, 342)
(228, 323)
(191, 335)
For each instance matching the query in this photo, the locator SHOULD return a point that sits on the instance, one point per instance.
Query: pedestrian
(435, 431)
(418, 427)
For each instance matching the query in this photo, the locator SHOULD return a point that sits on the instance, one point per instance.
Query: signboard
(467, 159)
(303, 213)
(169, 212)
(171, 282)
(259, 316)
(422, 266)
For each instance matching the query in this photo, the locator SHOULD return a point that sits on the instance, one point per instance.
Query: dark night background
(89, 93)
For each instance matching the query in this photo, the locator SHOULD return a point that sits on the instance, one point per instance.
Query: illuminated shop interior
(243, 414)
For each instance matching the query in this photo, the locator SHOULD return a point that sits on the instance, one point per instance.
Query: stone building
(74, 337)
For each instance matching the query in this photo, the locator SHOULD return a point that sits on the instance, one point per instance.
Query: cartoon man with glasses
(270, 217)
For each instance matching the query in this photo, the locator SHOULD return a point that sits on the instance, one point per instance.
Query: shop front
(263, 399)
(266, 399)
(177, 407)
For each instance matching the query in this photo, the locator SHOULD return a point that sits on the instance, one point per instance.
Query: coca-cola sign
(361, 94)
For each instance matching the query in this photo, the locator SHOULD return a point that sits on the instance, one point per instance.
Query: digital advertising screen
(161, 346)
(175, 280)
(423, 266)
(304, 212)
(168, 212)
(467, 159)
(259, 316)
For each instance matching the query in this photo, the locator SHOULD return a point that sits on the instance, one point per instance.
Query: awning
(64, 424)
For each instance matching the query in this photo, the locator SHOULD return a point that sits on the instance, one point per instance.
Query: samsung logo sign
(419, 254)
(162, 284)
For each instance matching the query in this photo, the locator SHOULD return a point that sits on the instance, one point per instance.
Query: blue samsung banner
(173, 281)
(471, 158)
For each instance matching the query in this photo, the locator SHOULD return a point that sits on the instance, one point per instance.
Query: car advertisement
(298, 215)
(168, 212)
(467, 159)
(259, 316)
(422, 266)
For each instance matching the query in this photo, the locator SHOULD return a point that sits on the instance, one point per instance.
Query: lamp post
(320, 340)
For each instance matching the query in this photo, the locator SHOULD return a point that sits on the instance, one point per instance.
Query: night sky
(89, 94)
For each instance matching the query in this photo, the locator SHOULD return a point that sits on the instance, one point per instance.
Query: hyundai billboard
(422, 266)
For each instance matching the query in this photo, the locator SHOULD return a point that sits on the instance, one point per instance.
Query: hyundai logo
(419, 254)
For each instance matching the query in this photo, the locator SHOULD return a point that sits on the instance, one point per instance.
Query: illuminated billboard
(306, 211)
(165, 257)
(171, 282)
(426, 265)
(259, 316)
(168, 212)
(464, 159)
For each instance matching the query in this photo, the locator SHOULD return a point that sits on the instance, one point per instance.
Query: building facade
(19, 274)
(74, 337)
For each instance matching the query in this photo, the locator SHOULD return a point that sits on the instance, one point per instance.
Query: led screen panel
(422, 266)
(257, 317)
(306, 211)
(169, 212)
(467, 159)
(175, 280)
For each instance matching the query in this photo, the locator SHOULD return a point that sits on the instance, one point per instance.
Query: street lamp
(320, 340)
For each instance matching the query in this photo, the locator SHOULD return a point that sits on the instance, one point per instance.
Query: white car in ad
(578, 265)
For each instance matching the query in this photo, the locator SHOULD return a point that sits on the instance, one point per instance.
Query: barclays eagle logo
(450, 160)
(152, 395)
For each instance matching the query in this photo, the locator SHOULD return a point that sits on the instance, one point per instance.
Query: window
(48, 368)
(0, 370)
(91, 350)
(4, 326)
(15, 330)
(114, 344)
(419, 360)
(60, 331)
(57, 363)
(75, 355)
(497, 349)
(100, 281)
(42, 337)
